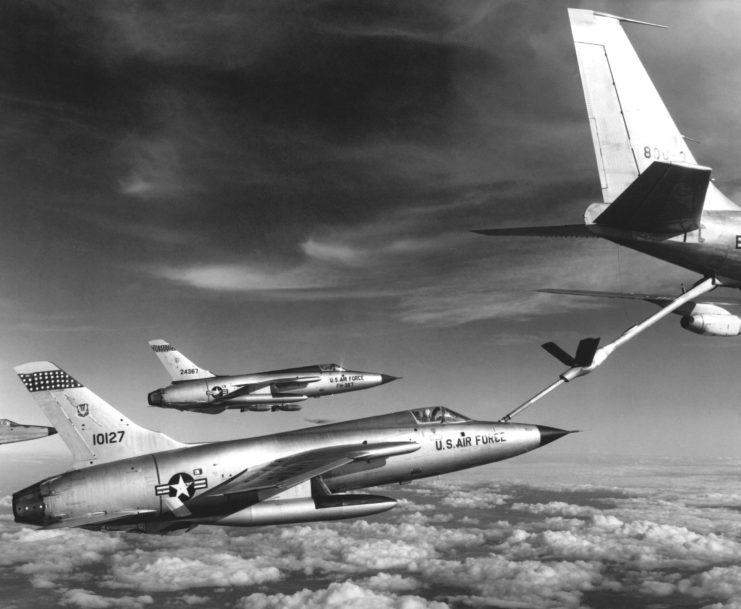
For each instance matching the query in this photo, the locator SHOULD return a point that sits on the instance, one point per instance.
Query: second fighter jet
(199, 390)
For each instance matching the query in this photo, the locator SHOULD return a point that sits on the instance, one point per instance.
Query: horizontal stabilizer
(666, 198)
(567, 230)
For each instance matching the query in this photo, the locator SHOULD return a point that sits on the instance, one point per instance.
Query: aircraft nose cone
(155, 398)
(387, 378)
(550, 434)
(51, 431)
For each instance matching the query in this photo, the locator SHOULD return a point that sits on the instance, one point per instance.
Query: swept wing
(660, 300)
(281, 383)
(567, 230)
(281, 474)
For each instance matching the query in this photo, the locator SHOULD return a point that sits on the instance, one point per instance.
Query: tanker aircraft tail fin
(630, 124)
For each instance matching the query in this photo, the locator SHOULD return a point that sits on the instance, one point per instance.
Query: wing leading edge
(278, 475)
(567, 230)
(296, 382)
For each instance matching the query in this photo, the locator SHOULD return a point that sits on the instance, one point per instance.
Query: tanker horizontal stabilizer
(568, 230)
(665, 198)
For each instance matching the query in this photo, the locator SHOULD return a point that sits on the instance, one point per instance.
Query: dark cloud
(245, 133)
(238, 141)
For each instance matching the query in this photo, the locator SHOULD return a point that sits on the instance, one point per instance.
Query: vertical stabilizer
(179, 367)
(94, 431)
(631, 127)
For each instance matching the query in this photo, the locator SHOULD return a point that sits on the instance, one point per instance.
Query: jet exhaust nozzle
(155, 398)
(29, 506)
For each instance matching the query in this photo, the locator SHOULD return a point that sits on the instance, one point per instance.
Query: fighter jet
(199, 390)
(656, 198)
(126, 477)
(11, 431)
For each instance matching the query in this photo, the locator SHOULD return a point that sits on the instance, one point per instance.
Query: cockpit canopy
(438, 414)
(6, 423)
(331, 368)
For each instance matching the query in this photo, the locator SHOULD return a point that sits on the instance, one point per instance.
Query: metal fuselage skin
(14, 432)
(216, 392)
(134, 483)
(712, 250)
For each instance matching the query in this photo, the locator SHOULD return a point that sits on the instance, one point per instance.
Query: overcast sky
(275, 184)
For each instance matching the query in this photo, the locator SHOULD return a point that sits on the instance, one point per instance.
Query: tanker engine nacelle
(718, 323)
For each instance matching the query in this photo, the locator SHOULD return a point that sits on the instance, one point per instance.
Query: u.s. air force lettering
(468, 441)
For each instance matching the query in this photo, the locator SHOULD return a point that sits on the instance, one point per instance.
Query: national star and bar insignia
(182, 486)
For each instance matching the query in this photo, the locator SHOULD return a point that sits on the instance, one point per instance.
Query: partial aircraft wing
(654, 298)
(286, 383)
(567, 230)
(276, 476)
(660, 300)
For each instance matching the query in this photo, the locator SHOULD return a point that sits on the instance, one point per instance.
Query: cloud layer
(643, 543)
